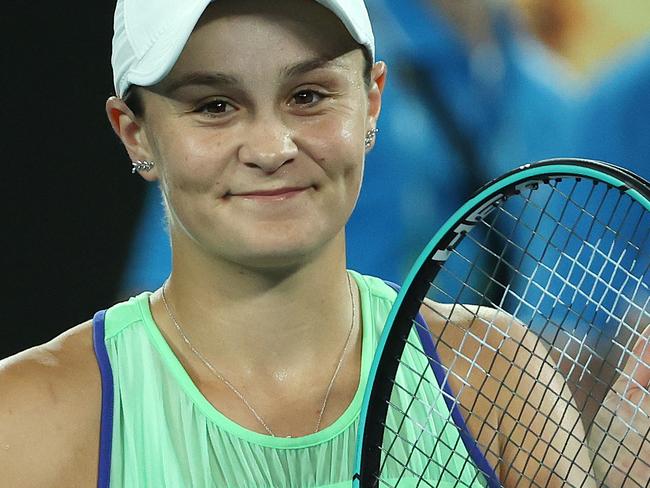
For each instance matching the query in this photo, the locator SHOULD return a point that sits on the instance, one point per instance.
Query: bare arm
(516, 403)
(620, 434)
(542, 431)
(49, 415)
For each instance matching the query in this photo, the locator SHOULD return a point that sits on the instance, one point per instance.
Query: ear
(132, 134)
(377, 82)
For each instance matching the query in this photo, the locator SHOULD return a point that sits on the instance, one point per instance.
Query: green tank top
(165, 433)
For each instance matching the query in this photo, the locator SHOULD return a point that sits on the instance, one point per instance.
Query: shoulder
(493, 339)
(498, 330)
(376, 296)
(50, 411)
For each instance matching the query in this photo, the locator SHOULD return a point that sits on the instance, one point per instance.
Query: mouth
(270, 194)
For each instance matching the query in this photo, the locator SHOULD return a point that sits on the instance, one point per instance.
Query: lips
(272, 193)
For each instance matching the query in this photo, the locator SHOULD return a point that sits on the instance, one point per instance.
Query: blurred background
(476, 87)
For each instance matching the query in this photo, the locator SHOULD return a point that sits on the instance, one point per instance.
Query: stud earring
(142, 166)
(370, 137)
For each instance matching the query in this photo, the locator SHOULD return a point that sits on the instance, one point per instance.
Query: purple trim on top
(470, 443)
(106, 425)
(436, 365)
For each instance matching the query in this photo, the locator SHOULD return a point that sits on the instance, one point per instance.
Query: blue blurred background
(475, 88)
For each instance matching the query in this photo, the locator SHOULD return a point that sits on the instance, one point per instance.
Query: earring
(142, 166)
(370, 137)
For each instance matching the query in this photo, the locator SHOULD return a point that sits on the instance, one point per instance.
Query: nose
(268, 144)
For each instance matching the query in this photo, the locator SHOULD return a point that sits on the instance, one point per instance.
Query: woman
(247, 367)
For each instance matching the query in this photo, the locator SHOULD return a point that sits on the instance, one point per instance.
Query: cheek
(192, 163)
(338, 147)
(337, 143)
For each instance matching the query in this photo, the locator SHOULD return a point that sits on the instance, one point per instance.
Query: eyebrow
(201, 78)
(210, 78)
(311, 65)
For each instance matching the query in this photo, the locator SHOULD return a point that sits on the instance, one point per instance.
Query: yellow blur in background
(587, 34)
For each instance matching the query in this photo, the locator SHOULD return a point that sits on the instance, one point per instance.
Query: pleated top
(165, 433)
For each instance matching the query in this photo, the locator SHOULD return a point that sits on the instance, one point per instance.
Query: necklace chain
(232, 387)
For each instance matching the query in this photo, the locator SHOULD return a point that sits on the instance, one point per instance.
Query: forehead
(246, 34)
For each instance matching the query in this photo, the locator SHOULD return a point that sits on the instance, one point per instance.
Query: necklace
(232, 387)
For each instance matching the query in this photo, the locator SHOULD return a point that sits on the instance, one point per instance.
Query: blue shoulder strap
(436, 366)
(106, 425)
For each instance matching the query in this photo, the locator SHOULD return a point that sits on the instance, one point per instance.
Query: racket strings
(518, 421)
(597, 275)
(422, 429)
(594, 217)
(536, 310)
(441, 466)
(570, 260)
(449, 369)
(552, 272)
(585, 238)
(429, 455)
(533, 410)
(468, 333)
(433, 434)
(630, 303)
(420, 425)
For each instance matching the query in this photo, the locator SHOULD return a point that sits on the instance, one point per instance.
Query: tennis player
(247, 367)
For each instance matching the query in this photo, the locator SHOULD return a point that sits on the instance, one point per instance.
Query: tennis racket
(517, 350)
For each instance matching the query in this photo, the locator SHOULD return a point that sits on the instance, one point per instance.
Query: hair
(133, 98)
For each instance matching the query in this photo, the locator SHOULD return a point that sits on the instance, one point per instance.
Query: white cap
(149, 35)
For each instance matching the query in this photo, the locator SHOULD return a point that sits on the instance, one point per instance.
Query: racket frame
(403, 312)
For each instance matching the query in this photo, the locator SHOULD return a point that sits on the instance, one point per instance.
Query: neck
(267, 320)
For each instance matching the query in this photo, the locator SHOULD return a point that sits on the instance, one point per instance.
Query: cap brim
(159, 60)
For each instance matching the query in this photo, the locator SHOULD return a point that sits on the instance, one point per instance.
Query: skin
(242, 261)
(630, 427)
(245, 261)
(237, 254)
(517, 417)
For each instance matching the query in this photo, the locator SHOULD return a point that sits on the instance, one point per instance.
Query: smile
(269, 195)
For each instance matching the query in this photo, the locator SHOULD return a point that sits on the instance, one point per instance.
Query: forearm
(548, 441)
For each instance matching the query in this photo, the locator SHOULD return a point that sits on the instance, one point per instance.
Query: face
(258, 132)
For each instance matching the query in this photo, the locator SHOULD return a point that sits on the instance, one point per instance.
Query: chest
(292, 410)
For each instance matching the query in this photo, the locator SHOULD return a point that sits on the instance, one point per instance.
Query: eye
(307, 97)
(215, 108)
